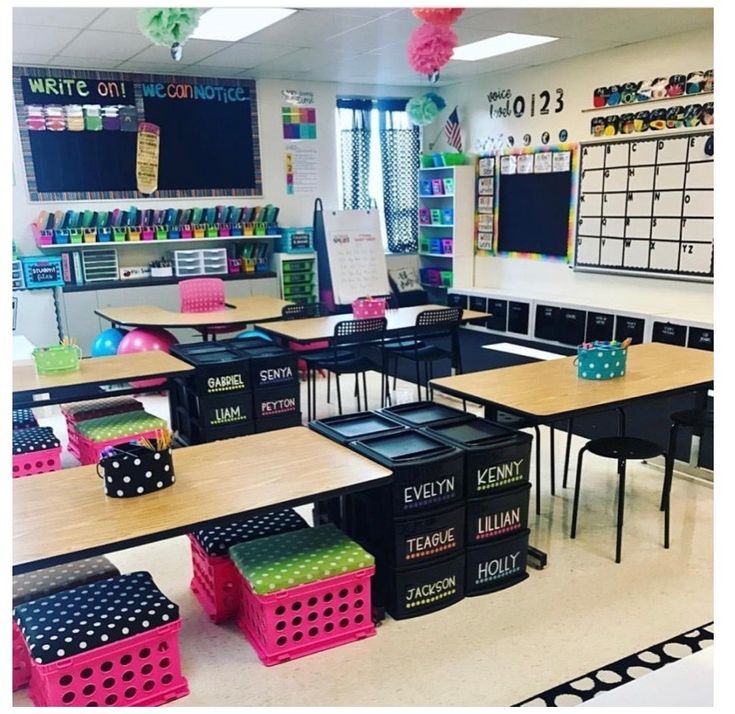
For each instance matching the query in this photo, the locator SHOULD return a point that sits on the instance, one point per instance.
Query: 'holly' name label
(498, 567)
(428, 490)
(429, 541)
(437, 589)
(509, 471)
(277, 374)
(225, 382)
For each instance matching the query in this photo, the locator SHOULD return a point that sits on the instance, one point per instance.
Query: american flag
(451, 129)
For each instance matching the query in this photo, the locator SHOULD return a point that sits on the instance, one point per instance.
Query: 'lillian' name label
(227, 415)
(224, 383)
(498, 567)
(436, 590)
(430, 490)
(278, 406)
(438, 540)
(277, 374)
(500, 473)
(498, 522)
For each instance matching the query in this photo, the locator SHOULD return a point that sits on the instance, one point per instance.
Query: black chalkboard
(79, 133)
(534, 213)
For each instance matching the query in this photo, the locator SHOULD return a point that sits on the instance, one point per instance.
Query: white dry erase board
(646, 207)
(356, 255)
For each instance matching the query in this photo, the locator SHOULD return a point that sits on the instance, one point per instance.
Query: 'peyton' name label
(278, 406)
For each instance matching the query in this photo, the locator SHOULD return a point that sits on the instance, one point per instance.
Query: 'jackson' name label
(441, 489)
(498, 568)
(427, 593)
(499, 474)
(225, 383)
(426, 544)
(494, 524)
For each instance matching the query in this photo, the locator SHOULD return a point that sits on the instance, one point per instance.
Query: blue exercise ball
(107, 342)
(253, 334)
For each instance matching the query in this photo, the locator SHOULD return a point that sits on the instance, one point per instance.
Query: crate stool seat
(215, 581)
(23, 419)
(96, 434)
(113, 642)
(303, 592)
(41, 583)
(35, 451)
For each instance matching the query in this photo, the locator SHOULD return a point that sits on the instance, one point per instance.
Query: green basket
(296, 266)
(427, 161)
(298, 290)
(293, 278)
(56, 359)
(458, 159)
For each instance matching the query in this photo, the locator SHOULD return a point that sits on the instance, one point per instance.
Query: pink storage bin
(142, 670)
(36, 462)
(332, 612)
(187, 231)
(215, 583)
(89, 451)
(368, 307)
(147, 234)
(42, 236)
(21, 659)
(447, 246)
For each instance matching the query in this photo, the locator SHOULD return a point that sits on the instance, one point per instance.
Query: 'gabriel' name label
(225, 383)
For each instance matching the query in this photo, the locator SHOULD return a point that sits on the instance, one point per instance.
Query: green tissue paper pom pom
(169, 25)
(421, 110)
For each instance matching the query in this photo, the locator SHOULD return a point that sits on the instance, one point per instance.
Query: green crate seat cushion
(297, 558)
(93, 615)
(216, 540)
(97, 408)
(37, 438)
(119, 425)
(41, 583)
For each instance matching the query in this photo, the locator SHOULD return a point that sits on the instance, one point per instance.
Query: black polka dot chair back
(215, 582)
(42, 583)
(623, 449)
(113, 642)
(36, 450)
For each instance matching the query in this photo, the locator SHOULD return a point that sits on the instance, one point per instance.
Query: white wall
(578, 77)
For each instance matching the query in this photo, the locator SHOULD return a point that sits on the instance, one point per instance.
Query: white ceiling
(356, 45)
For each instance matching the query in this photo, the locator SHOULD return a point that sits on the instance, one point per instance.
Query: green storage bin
(298, 290)
(119, 425)
(293, 278)
(295, 266)
(56, 359)
(458, 159)
(447, 278)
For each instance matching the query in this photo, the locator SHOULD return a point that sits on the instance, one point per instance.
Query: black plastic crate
(632, 327)
(220, 369)
(496, 565)
(419, 414)
(270, 365)
(427, 473)
(669, 333)
(274, 423)
(701, 339)
(599, 327)
(419, 591)
(457, 300)
(496, 457)
(497, 516)
(225, 410)
(571, 326)
(499, 315)
(277, 402)
(410, 541)
(518, 317)
(192, 431)
(547, 322)
(349, 427)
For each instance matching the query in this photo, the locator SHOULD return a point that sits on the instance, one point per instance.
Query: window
(379, 157)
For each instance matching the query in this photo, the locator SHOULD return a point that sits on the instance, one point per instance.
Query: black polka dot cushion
(23, 419)
(215, 540)
(41, 583)
(39, 438)
(91, 616)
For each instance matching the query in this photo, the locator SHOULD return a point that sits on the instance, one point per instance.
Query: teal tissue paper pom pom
(421, 110)
(439, 101)
(168, 25)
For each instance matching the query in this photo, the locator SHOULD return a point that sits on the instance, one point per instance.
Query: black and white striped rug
(624, 670)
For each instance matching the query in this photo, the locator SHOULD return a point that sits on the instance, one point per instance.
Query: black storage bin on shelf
(496, 457)
(277, 403)
(497, 516)
(426, 472)
(419, 591)
(496, 565)
(419, 414)
(220, 369)
(270, 365)
(202, 419)
(350, 427)
(406, 542)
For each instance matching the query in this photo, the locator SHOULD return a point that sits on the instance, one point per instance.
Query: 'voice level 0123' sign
(505, 104)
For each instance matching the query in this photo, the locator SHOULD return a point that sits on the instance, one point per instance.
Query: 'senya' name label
(487, 525)
(430, 489)
(500, 472)
(429, 541)
(439, 588)
(498, 567)
(278, 374)
(225, 382)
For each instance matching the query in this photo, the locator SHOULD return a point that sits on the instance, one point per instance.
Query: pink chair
(205, 295)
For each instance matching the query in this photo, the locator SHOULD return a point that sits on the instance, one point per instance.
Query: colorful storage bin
(368, 307)
(295, 240)
(36, 450)
(42, 271)
(57, 359)
(135, 662)
(303, 592)
(215, 581)
(601, 360)
(42, 583)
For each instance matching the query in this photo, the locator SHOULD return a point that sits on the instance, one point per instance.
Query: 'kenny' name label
(499, 474)
(439, 489)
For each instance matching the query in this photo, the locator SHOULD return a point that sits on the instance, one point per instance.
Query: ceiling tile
(118, 19)
(23, 58)
(41, 40)
(243, 55)
(304, 60)
(497, 20)
(378, 33)
(83, 63)
(194, 51)
(73, 17)
(105, 45)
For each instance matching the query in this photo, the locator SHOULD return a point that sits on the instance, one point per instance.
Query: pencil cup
(130, 469)
(601, 360)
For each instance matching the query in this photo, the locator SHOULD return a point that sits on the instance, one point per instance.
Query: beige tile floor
(583, 611)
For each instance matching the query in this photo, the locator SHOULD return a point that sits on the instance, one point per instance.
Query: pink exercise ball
(147, 340)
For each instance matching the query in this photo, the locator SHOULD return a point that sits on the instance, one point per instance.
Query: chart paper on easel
(356, 255)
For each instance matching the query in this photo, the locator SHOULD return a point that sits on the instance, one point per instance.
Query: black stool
(624, 448)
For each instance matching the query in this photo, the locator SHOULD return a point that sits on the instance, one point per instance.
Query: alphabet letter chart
(646, 206)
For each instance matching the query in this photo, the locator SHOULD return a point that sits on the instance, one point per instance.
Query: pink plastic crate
(307, 618)
(89, 451)
(372, 307)
(36, 462)
(143, 670)
(21, 659)
(216, 583)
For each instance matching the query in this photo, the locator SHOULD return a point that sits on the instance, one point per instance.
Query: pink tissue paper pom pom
(438, 15)
(430, 48)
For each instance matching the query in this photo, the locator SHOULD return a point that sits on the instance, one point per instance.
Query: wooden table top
(244, 310)
(98, 370)
(321, 328)
(546, 389)
(65, 513)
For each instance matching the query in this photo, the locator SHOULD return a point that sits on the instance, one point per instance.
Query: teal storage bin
(295, 240)
(601, 360)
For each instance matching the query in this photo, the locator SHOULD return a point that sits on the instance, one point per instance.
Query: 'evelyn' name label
(431, 542)
(225, 382)
(491, 475)
(498, 567)
(438, 589)
(277, 374)
(498, 522)
(429, 490)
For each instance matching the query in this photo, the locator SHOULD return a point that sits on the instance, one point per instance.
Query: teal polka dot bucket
(601, 360)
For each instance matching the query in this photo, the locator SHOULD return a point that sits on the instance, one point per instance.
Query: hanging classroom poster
(298, 122)
(80, 130)
(302, 168)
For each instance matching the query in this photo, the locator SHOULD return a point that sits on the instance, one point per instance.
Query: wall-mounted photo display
(658, 119)
(675, 85)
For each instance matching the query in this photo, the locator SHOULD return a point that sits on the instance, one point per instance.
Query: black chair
(415, 347)
(345, 355)
(299, 311)
(624, 448)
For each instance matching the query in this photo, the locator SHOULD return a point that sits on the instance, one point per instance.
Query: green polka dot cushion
(119, 425)
(297, 558)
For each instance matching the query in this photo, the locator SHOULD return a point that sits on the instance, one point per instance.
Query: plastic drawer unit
(497, 516)
(497, 565)
(496, 458)
(420, 414)
(351, 427)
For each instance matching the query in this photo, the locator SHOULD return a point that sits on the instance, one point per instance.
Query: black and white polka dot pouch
(133, 469)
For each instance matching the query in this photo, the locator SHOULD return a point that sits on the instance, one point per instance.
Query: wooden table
(314, 329)
(88, 380)
(63, 516)
(243, 311)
